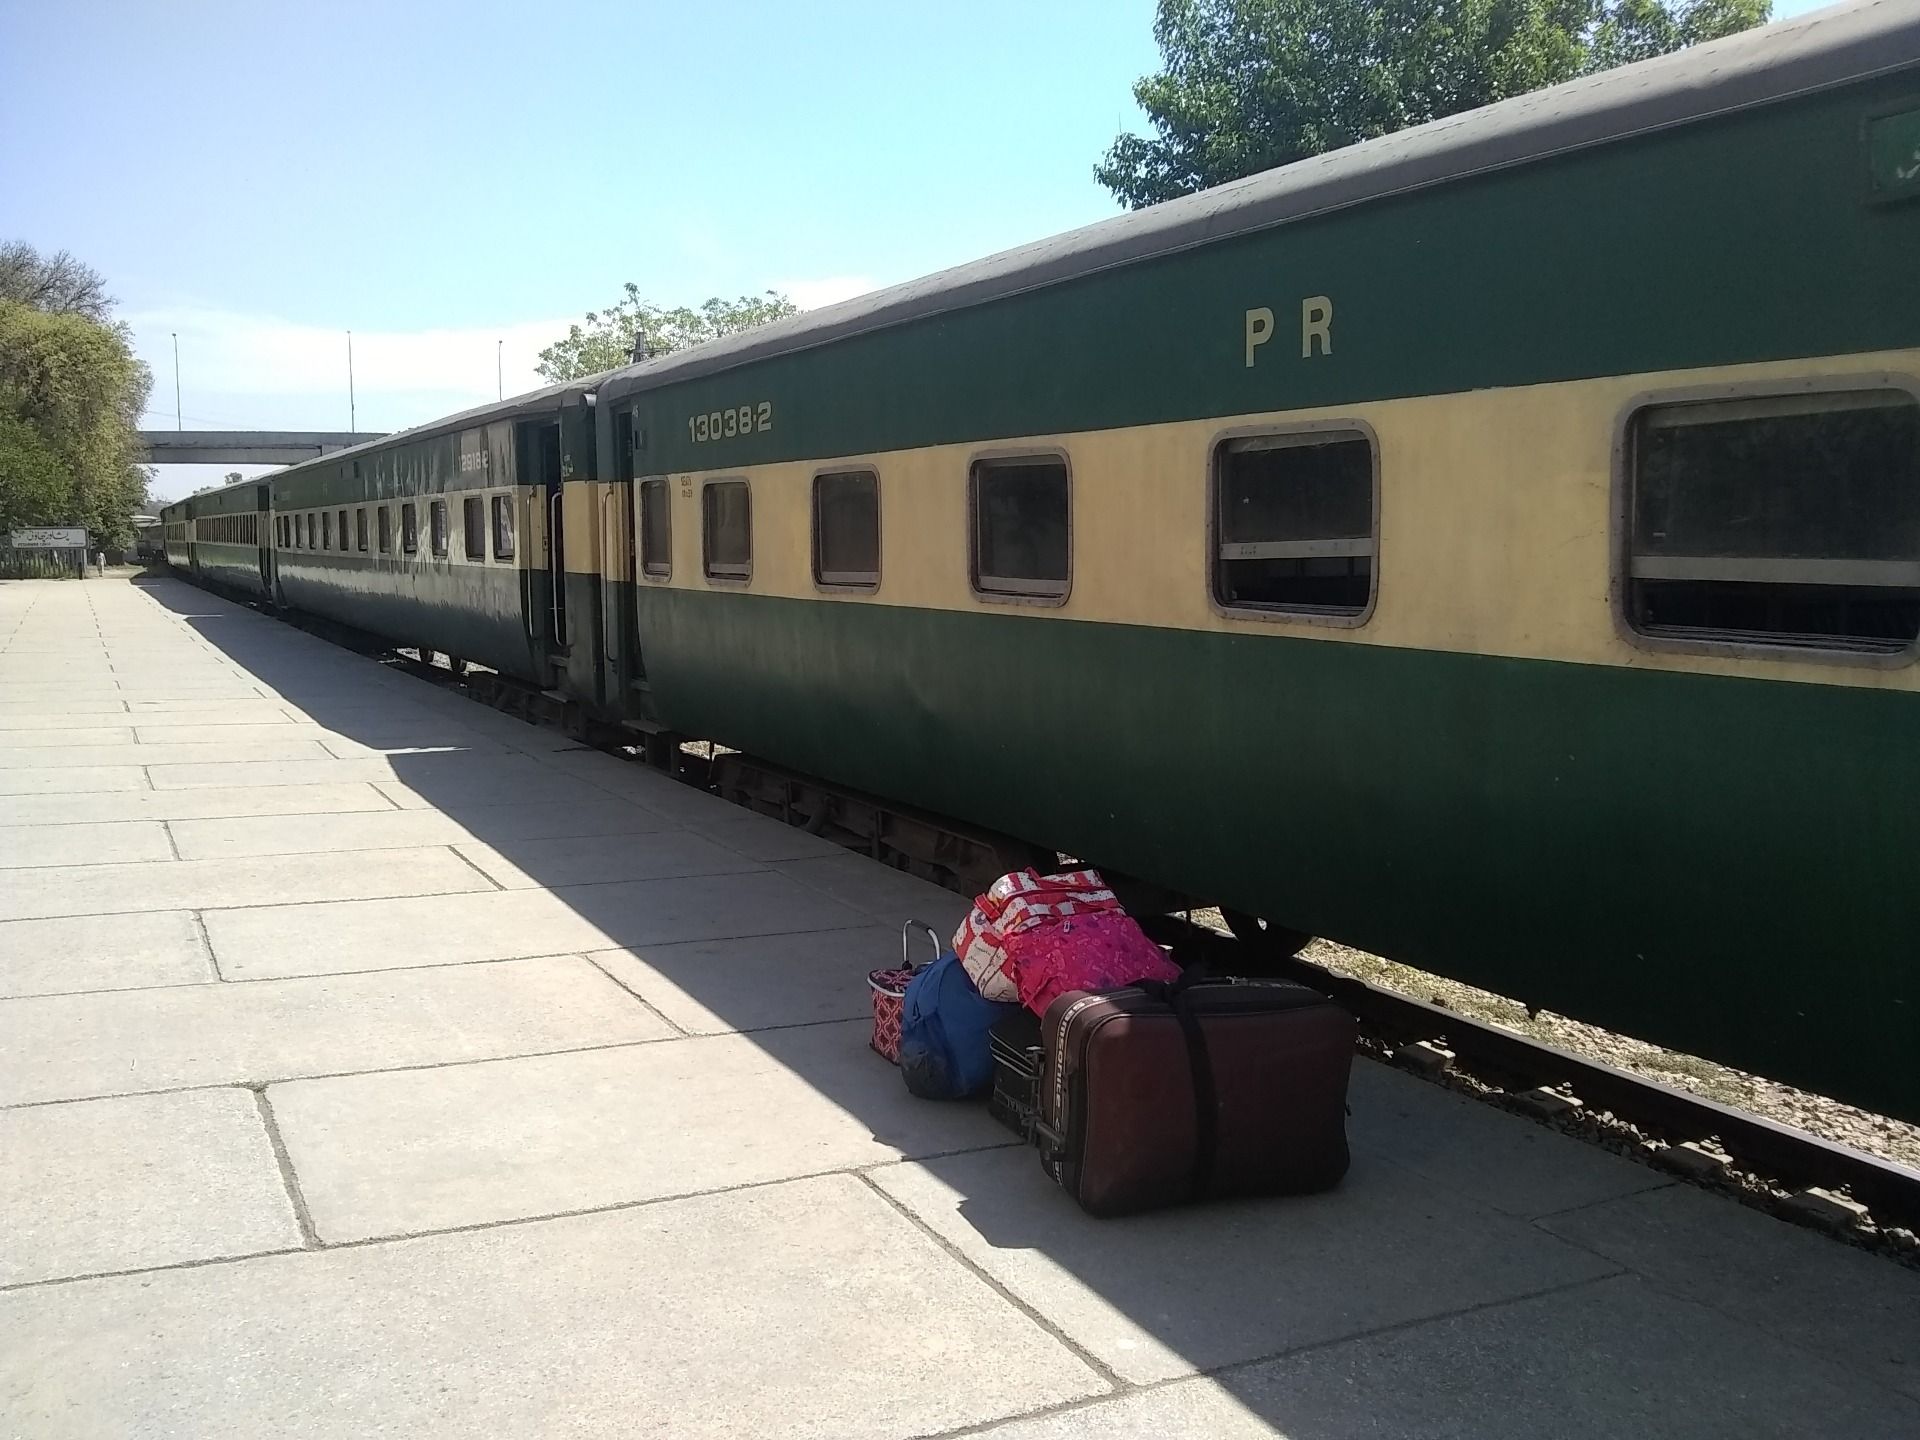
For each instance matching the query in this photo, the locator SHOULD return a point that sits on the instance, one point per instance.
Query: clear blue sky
(260, 179)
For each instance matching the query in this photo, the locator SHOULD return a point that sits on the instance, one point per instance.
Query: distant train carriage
(445, 536)
(1496, 545)
(228, 539)
(173, 536)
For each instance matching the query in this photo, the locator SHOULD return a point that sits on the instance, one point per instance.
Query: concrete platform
(372, 1063)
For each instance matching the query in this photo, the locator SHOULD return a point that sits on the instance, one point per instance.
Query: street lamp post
(176, 378)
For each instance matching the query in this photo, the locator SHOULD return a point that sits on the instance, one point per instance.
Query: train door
(263, 518)
(620, 612)
(539, 468)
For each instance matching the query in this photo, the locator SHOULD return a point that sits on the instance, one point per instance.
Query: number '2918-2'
(735, 420)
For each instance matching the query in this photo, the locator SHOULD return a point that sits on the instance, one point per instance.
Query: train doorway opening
(540, 468)
(263, 517)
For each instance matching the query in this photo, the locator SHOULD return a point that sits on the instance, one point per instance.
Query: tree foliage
(57, 284)
(1247, 85)
(71, 394)
(632, 329)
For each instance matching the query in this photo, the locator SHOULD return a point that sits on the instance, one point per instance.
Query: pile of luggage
(1143, 1086)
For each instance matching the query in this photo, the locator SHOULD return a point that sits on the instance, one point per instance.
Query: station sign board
(50, 537)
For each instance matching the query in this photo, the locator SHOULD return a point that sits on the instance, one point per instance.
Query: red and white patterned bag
(1018, 902)
(890, 992)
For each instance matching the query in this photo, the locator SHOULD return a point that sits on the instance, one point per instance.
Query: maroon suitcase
(1162, 1094)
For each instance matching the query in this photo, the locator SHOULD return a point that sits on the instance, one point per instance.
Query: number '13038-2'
(725, 424)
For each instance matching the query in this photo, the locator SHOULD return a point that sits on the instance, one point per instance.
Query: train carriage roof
(1839, 45)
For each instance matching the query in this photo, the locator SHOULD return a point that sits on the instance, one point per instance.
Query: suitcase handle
(906, 944)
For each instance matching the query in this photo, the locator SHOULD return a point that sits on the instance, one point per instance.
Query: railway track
(1799, 1175)
(1863, 1198)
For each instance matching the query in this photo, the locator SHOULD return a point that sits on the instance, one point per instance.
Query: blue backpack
(944, 1053)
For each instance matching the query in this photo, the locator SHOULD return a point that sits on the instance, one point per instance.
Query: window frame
(665, 572)
(439, 529)
(360, 529)
(1003, 455)
(383, 529)
(1619, 586)
(864, 585)
(409, 527)
(326, 530)
(706, 557)
(1348, 426)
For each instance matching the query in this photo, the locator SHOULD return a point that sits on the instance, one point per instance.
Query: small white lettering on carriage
(733, 421)
(1316, 328)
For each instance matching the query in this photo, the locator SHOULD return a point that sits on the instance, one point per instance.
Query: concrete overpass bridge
(245, 447)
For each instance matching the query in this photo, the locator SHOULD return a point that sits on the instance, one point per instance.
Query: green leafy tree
(71, 394)
(632, 329)
(1247, 85)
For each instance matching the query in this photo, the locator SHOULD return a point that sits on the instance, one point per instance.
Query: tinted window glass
(1294, 523)
(1784, 519)
(326, 530)
(384, 526)
(437, 515)
(656, 529)
(473, 524)
(727, 531)
(846, 529)
(360, 529)
(409, 529)
(1020, 526)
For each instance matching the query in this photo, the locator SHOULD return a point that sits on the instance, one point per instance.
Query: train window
(409, 529)
(1777, 520)
(503, 527)
(846, 529)
(726, 530)
(360, 528)
(437, 526)
(1022, 533)
(326, 530)
(656, 529)
(1294, 523)
(383, 529)
(342, 532)
(473, 522)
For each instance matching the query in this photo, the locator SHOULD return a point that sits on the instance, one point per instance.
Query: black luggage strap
(1206, 1101)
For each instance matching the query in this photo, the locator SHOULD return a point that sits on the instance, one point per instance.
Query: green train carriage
(1496, 546)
